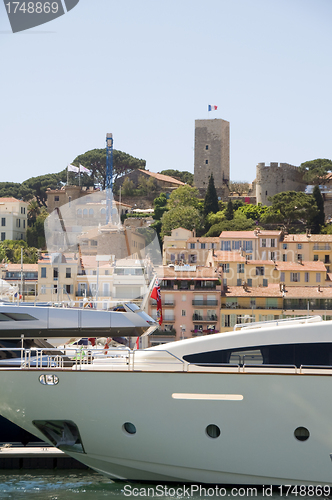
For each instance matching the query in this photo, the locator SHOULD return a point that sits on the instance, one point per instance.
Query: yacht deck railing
(124, 359)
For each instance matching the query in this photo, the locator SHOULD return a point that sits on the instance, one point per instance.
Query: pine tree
(211, 198)
(229, 213)
(318, 219)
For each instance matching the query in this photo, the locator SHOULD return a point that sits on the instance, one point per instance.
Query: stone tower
(212, 155)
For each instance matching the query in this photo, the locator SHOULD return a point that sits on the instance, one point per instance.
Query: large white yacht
(250, 406)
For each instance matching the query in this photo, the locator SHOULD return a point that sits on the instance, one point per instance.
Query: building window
(306, 277)
(238, 282)
(206, 162)
(203, 246)
(315, 257)
(3, 221)
(273, 255)
(207, 147)
(240, 268)
(249, 281)
(295, 277)
(264, 242)
(3, 236)
(43, 289)
(299, 246)
(193, 259)
(299, 257)
(68, 272)
(55, 288)
(55, 274)
(317, 277)
(56, 198)
(43, 272)
(68, 289)
(192, 246)
(225, 268)
(265, 282)
(94, 243)
(18, 222)
(284, 246)
(183, 312)
(259, 270)
(85, 213)
(282, 276)
(284, 257)
(273, 243)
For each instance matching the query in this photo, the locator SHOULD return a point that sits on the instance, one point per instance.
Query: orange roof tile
(291, 292)
(162, 177)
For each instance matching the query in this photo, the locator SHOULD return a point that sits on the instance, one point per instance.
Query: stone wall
(274, 178)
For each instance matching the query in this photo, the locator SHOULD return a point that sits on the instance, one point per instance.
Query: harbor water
(89, 485)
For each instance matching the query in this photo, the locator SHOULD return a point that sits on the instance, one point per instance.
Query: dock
(36, 457)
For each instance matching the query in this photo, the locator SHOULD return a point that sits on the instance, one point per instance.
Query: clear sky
(146, 69)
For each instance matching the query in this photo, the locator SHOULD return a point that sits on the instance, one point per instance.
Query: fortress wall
(274, 178)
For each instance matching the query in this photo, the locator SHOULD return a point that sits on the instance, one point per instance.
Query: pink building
(190, 301)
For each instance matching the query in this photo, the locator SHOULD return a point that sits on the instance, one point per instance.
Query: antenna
(109, 176)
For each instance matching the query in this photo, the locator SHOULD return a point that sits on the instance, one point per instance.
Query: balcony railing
(197, 317)
(165, 333)
(322, 247)
(204, 302)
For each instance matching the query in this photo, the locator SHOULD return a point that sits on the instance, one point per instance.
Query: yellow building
(250, 304)
(314, 247)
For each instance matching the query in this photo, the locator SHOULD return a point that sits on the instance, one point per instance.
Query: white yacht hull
(256, 444)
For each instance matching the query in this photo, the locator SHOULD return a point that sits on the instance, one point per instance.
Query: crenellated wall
(274, 178)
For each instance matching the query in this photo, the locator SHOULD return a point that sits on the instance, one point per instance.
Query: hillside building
(13, 219)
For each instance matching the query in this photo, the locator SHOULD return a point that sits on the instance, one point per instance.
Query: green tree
(181, 216)
(229, 213)
(36, 232)
(290, 207)
(185, 176)
(160, 206)
(95, 160)
(37, 186)
(253, 212)
(314, 170)
(128, 187)
(211, 198)
(238, 223)
(12, 250)
(317, 220)
(184, 196)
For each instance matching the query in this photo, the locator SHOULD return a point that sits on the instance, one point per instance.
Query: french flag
(212, 108)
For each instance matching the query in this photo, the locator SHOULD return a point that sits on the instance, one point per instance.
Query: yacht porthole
(212, 431)
(129, 428)
(301, 434)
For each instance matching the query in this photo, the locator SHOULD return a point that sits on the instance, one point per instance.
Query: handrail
(300, 319)
(75, 358)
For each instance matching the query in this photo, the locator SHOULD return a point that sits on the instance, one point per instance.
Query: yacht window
(301, 434)
(212, 431)
(16, 317)
(314, 354)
